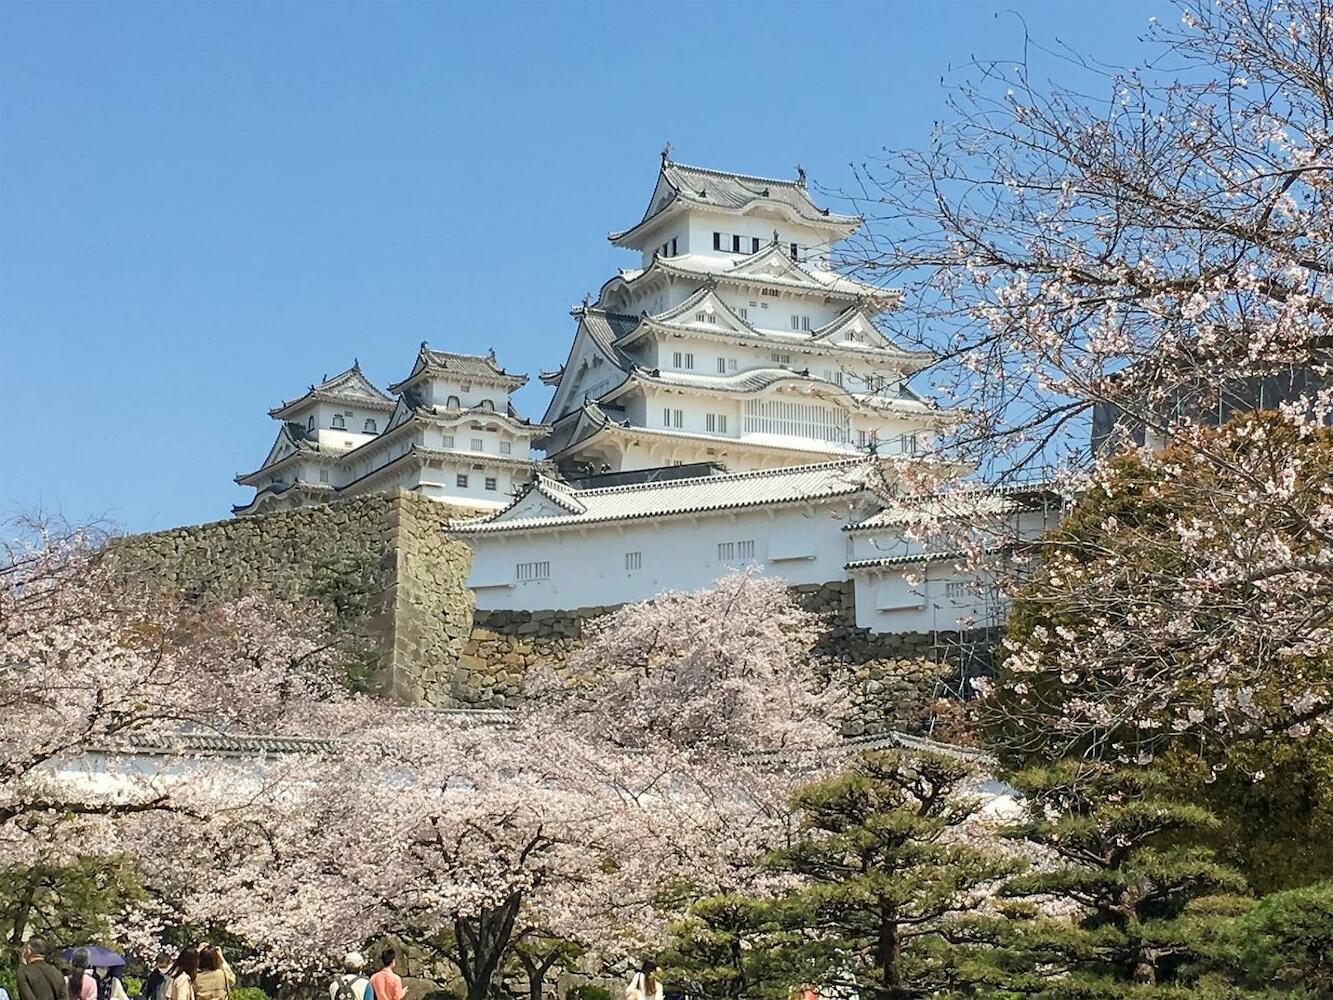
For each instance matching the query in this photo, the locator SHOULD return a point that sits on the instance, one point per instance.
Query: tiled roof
(350, 386)
(759, 379)
(824, 480)
(733, 269)
(210, 743)
(464, 366)
(911, 558)
(733, 192)
(961, 503)
(606, 329)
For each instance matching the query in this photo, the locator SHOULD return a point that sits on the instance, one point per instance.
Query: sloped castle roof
(350, 387)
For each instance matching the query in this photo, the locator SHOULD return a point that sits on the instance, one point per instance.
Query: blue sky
(205, 207)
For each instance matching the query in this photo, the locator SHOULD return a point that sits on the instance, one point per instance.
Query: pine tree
(885, 877)
(729, 947)
(1128, 903)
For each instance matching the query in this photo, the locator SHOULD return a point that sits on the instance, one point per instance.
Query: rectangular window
(448, 440)
(795, 255)
(715, 423)
(780, 359)
(754, 244)
(689, 361)
(745, 550)
(323, 475)
(722, 366)
(679, 417)
(731, 364)
(676, 359)
(735, 244)
(477, 444)
(832, 375)
(633, 561)
(527, 571)
(955, 590)
(506, 448)
(726, 551)
(490, 483)
(790, 418)
(743, 312)
(717, 241)
(461, 480)
(800, 322)
(666, 417)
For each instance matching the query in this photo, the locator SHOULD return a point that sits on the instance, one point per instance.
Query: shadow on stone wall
(381, 564)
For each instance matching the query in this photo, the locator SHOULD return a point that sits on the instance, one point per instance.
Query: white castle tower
(734, 342)
(452, 435)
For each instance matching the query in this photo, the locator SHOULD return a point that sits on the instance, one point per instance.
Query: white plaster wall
(920, 599)
(588, 567)
(438, 392)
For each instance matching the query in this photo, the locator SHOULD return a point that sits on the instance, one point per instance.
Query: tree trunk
(536, 971)
(890, 954)
(22, 908)
(482, 943)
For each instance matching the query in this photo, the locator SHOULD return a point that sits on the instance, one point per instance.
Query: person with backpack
(352, 984)
(159, 980)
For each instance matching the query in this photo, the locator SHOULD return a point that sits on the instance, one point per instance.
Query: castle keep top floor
(709, 213)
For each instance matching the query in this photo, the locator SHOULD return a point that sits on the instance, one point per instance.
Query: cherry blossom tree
(658, 768)
(1184, 602)
(1153, 241)
(91, 662)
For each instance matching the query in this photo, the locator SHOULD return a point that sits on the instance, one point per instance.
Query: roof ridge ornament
(800, 176)
(666, 153)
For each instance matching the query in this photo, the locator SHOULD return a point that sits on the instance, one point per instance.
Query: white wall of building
(575, 568)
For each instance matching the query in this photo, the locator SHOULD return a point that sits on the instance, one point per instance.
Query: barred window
(525, 572)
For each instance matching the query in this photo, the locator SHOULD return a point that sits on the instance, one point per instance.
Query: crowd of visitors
(201, 972)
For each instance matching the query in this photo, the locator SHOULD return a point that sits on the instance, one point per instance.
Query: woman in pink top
(79, 984)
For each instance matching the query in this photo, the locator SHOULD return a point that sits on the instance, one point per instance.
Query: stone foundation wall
(380, 564)
(893, 678)
(384, 567)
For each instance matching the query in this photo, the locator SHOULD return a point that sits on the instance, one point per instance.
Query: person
(644, 985)
(156, 985)
(352, 984)
(37, 978)
(109, 986)
(215, 979)
(79, 984)
(386, 983)
(182, 975)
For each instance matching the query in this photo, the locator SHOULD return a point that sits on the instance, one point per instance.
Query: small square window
(490, 483)
(506, 448)
(461, 480)
(633, 561)
(477, 444)
(448, 440)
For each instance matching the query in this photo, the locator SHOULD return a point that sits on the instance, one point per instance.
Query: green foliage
(1287, 939)
(245, 993)
(1277, 830)
(588, 991)
(1148, 906)
(729, 946)
(882, 880)
(66, 904)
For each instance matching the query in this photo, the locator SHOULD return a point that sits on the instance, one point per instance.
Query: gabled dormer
(448, 380)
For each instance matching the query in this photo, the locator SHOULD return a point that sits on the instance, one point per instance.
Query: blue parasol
(98, 957)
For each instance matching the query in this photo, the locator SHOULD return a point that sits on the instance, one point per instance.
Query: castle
(731, 401)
